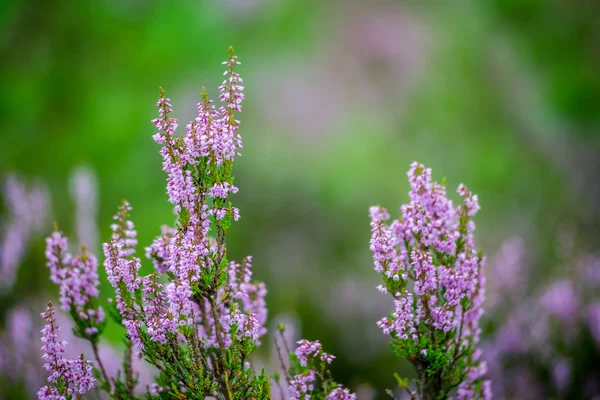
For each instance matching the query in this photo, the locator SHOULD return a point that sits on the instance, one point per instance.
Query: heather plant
(430, 266)
(307, 372)
(200, 327)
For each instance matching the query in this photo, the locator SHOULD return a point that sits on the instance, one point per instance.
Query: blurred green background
(503, 95)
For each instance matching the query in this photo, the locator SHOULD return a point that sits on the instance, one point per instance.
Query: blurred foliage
(80, 79)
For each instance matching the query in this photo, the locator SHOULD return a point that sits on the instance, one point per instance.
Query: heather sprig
(429, 264)
(308, 375)
(77, 278)
(69, 379)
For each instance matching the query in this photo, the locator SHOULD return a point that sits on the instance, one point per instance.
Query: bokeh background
(341, 96)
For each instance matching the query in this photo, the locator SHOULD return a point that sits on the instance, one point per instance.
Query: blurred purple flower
(83, 184)
(561, 373)
(593, 320)
(28, 215)
(560, 300)
(509, 271)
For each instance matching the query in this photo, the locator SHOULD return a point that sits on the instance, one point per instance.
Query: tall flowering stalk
(429, 264)
(68, 378)
(200, 316)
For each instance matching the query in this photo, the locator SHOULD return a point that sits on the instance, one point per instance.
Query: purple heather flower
(403, 324)
(425, 272)
(159, 250)
(379, 213)
(57, 256)
(72, 377)
(159, 322)
(433, 245)
(307, 349)
(219, 213)
(302, 384)
(247, 325)
(382, 244)
(222, 190)
(124, 233)
(133, 328)
(180, 185)
(155, 389)
(180, 303)
(471, 200)
(251, 295)
(466, 390)
(77, 278)
(120, 269)
(340, 394)
(120, 266)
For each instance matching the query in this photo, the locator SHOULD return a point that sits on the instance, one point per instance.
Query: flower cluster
(308, 376)
(77, 278)
(67, 377)
(435, 324)
(307, 349)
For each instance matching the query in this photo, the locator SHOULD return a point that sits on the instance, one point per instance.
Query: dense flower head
(302, 384)
(385, 256)
(251, 295)
(159, 250)
(307, 349)
(124, 233)
(67, 377)
(222, 190)
(180, 304)
(341, 393)
(120, 269)
(309, 376)
(77, 278)
(432, 246)
(247, 325)
(159, 322)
